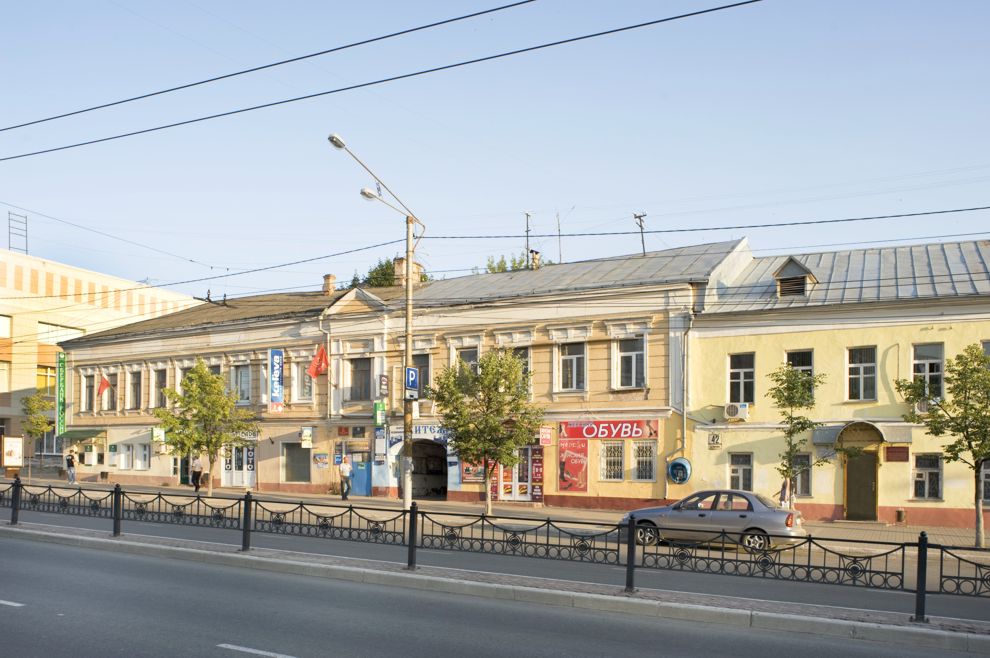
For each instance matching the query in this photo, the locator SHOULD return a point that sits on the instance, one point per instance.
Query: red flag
(104, 385)
(319, 364)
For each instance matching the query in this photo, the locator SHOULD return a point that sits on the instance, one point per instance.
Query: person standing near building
(196, 472)
(70, 467)
(345, 477)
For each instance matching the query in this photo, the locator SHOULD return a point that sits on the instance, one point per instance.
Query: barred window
(645, 456)
(802, 481)
(741, 471)
(928, 476)
(612, 466)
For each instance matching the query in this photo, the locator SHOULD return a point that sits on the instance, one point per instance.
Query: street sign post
(412, 378)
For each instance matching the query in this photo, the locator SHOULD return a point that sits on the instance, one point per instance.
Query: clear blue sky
(776, 111)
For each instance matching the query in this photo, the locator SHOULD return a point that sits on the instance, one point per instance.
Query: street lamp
(407, 419)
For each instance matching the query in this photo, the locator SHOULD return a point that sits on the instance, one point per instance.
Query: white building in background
(43, 302)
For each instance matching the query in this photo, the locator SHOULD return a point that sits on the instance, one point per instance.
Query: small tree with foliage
(204, 417)
(961, 412)
(36, 422)
(792, 391)
(382, 275)
(487, 412)
(514, 264)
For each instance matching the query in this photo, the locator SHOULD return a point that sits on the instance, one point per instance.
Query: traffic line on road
(256, 652)
(12, 604)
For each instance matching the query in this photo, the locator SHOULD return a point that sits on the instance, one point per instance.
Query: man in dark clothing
(70, 468)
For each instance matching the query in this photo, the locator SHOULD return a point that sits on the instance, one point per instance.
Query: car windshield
(772, 504)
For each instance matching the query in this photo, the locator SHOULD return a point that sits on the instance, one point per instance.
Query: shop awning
(891, 432)
(76, 436)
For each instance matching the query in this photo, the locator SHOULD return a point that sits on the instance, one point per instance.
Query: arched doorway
(860, 442)
(429, 476)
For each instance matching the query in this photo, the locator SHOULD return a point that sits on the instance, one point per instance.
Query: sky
(772, 112)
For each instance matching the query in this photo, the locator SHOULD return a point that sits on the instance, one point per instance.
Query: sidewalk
(886, 627)
(845, 530)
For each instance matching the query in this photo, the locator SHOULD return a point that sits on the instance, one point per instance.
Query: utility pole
(527, 241)
(639, 220)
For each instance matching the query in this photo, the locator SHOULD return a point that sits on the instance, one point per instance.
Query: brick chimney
(329, 284)
(400, 271)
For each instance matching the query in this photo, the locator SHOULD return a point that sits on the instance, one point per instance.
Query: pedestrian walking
(196, 473)
(345, 477)
(70, 467)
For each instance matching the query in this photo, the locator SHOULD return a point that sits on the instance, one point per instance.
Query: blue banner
(276, 392)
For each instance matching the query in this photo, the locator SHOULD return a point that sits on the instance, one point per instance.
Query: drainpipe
(685, 370)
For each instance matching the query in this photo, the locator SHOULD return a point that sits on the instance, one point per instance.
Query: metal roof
(915, 272)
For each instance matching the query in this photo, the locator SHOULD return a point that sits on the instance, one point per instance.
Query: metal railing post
(413, 526)
(246, 523)
(631, 555)
(15, 501)
(118, 509)
(921, 585)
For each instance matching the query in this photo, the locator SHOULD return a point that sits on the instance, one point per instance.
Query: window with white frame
(612, 466)
(522, 353)
(142, 456)
(469, 355)
(158, 395)
(862, 373)
(632, 362)
(50, 444)
(302, 383)
(242, 383)
(46, 380)
(110, 395)
(928, 367)
(742, 378)
(645, 460)
(802, 481)
(928, 476)
(422, 363)
(134, 390)
(125, 456)
(360, 379)
(572, 362)
(741, 471)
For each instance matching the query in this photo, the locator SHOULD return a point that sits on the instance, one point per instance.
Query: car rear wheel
(756, 541)
(646, 533)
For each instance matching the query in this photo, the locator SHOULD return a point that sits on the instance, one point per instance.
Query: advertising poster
(13, 451)
(537, 475)
(573, 454)
(506, 482)
(493, 483)
(276, 393)
(609, 429)
(321, 460)
(472, 472)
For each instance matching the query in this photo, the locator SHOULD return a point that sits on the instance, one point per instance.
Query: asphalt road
(745, 587)
(67, 601)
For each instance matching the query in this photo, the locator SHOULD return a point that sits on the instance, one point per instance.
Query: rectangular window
(986, 480)
(632, 362)
(242, 383)
(612, 467)
(572, 367)
(142, 457)
(214, 370)
(134, 391)
(802, 482)
(110, 399)
(360, 379)
(928, 367)
(51, 445)
(89, 393)
(645, 459)
(46, 379)
(295, 462)
(986, 347)
(741, 471)
(4, 376)
(742, 378)
(928, 476)
(125, 455)
(422, 363)
(161, 377)
(469, 355)
(863, 373)
(303, 383)
(522, 353)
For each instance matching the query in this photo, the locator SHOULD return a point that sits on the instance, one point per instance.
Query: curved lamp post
(407, 419)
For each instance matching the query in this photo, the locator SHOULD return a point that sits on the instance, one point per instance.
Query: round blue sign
(679, 470)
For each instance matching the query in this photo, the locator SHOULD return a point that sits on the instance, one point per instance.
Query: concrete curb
(886, 634)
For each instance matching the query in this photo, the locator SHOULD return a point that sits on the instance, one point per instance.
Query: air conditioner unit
(737, 411)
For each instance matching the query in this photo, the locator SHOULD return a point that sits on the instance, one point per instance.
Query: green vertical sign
(379, 413)
(60, 394)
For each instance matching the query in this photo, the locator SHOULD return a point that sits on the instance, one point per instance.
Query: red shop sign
(609, 429)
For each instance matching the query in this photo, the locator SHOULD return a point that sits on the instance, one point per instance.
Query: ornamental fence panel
(64, 500)
(964, 571)
(215, 512)
(362, 524)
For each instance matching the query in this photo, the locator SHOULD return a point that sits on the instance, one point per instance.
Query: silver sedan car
(753, 521)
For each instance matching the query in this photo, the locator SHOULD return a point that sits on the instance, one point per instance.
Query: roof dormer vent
(793, 279)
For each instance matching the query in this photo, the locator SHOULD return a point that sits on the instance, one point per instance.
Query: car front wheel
(756, 541)
(646, 533)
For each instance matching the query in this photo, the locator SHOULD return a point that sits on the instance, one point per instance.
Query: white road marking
(257, 652)
(12, 604)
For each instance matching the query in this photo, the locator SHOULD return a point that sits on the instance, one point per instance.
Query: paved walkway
(845, 530)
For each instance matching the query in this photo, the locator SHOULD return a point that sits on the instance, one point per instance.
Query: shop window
(741, 471)
(928, 367)
(142, 457)
(125, 455)
(645, 457)
(360, 379)
(50, 444)
(302, 383)
(46, 380)
(862, 373)
(928, 476)
(134, 391)
(572, 366)
(742, 378)
(161, 377)
(802, 481)
(242, 383)
(422, 363)
(612, 467)
(295, 462)
(632, 362)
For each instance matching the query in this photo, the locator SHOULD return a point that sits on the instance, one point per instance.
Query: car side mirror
(676, 508)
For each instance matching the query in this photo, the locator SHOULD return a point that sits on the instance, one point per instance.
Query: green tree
(487, 412)
(36, 422)
(961, 412)
(381, 275)
(514, 264)
(792, 391)
(204, 417)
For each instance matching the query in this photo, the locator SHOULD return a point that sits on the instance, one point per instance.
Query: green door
(861, 487)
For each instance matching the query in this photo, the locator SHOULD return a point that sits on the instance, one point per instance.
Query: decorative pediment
(627, 328)
(514, 337)
(570, 334)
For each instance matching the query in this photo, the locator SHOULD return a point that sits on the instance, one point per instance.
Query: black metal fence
(918, 567)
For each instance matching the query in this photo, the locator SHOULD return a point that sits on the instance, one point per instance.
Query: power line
(380, 81)
(266, 66)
